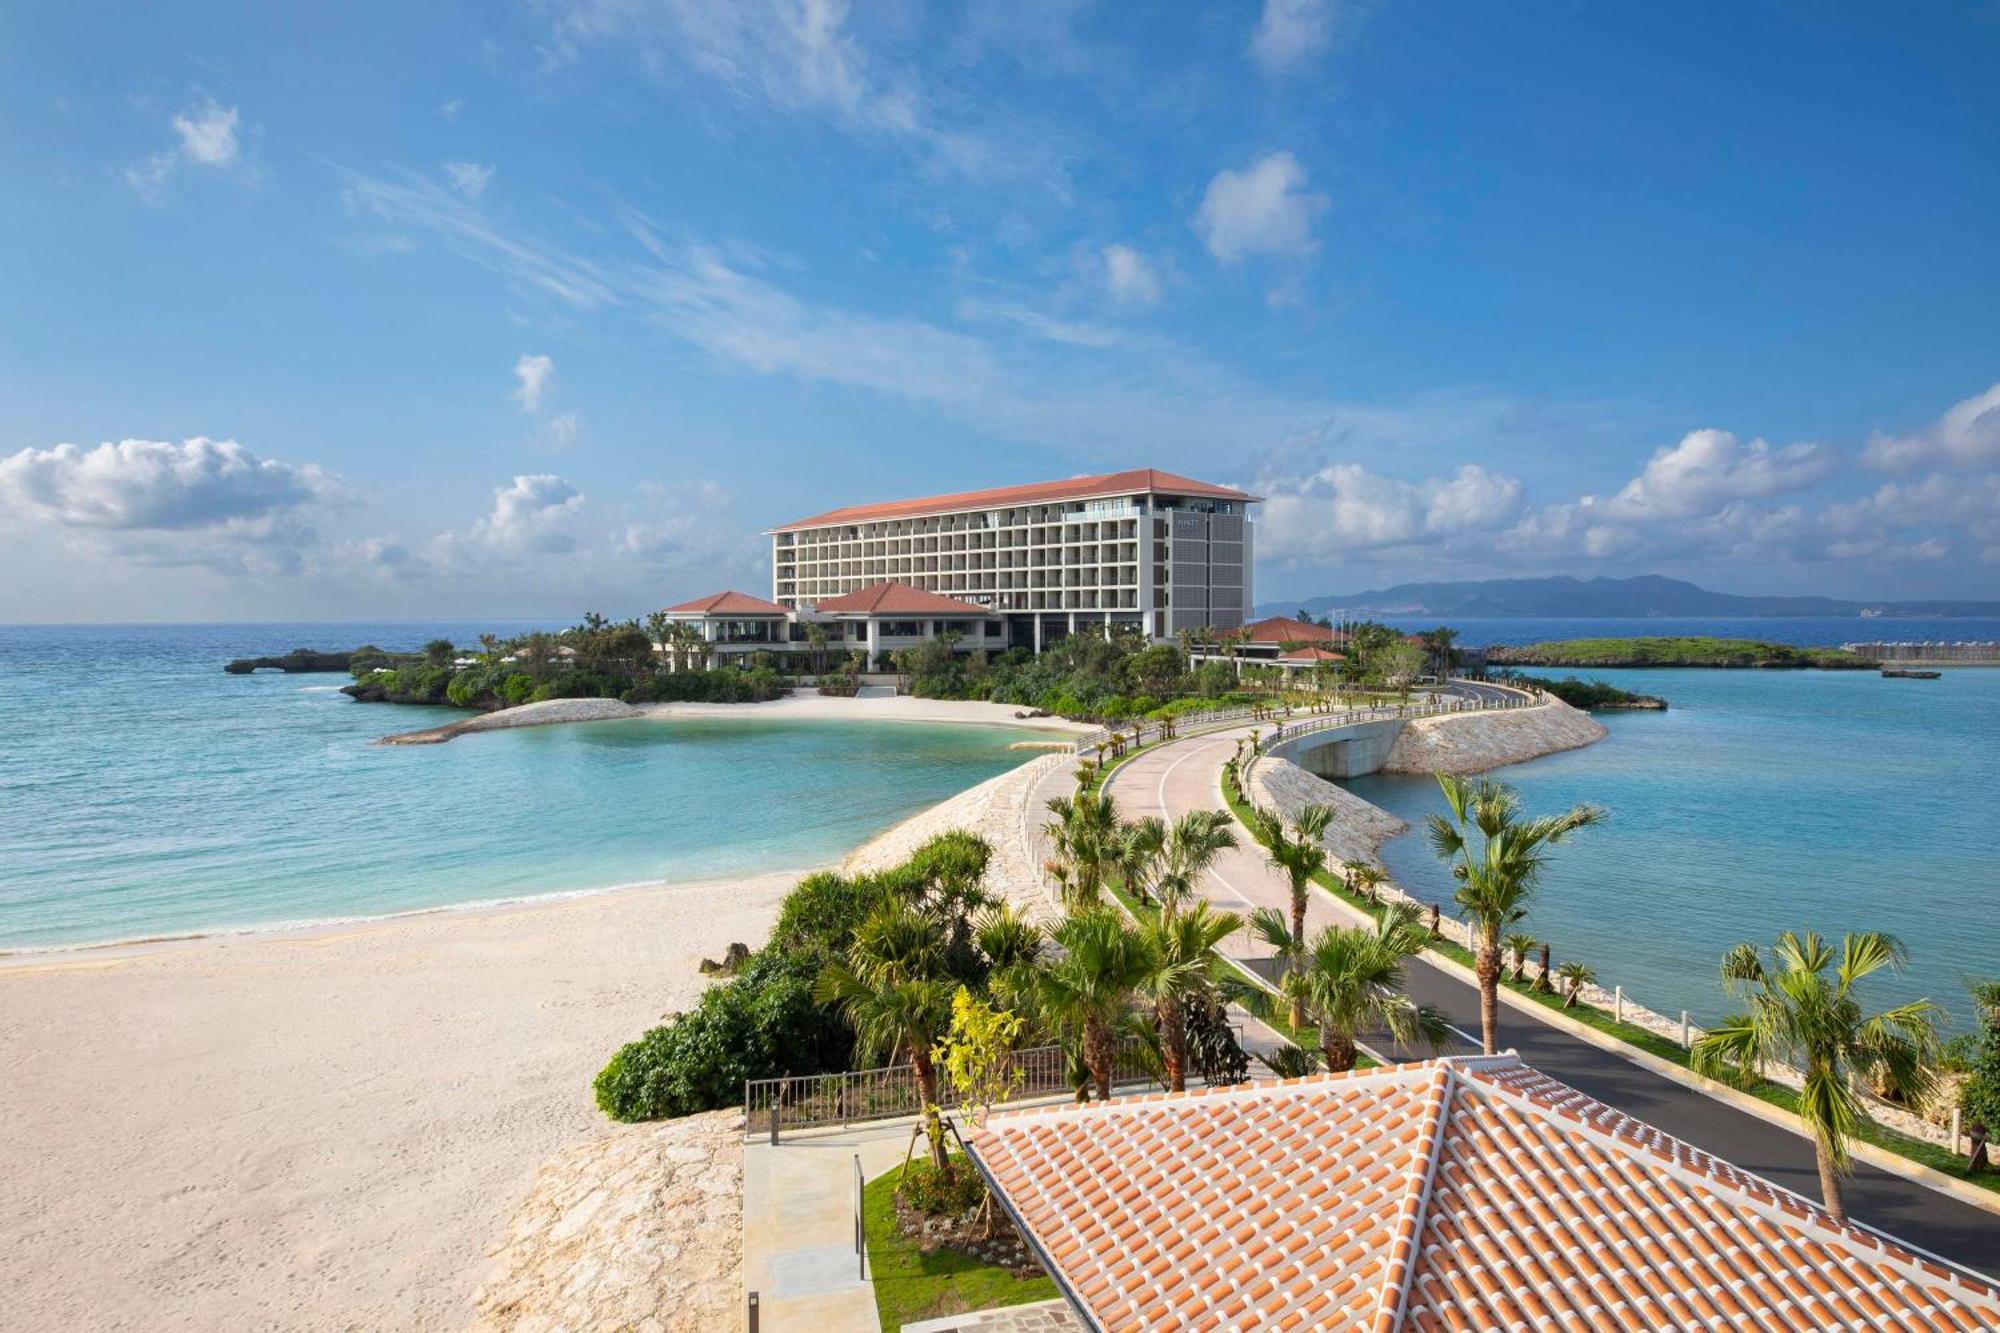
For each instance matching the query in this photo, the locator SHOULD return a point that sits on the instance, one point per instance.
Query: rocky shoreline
(547, 713)
(1465, 743)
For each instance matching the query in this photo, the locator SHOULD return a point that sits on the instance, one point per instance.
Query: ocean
(144, 792)
(1762, 801)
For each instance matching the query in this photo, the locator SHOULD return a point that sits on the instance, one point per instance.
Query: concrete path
(1185, 775)
(798, 1226)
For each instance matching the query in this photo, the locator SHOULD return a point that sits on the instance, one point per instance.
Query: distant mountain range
(1646, 595)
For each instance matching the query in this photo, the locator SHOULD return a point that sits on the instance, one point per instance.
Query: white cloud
(536, 514)
(1290, 31)
(156, 485)
(1967, 435)
(1343, 507)
(206, 138)
(532, 375)
(469, 178)
(1710, 468)
(1129, 276)
(563, 431)
(1263, 209)
(798, 56)
(201, 502)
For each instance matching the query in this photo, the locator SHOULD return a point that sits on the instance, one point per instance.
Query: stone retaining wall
(640, 1228)
(1475, 742)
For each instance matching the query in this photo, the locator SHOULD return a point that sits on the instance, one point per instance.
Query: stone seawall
(1358, 827)
(1003, 810)
(1475, 742)
(547, 713)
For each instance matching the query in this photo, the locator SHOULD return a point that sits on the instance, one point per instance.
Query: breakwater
(1929, 654)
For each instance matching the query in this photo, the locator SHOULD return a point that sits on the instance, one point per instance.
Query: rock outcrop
(1477, 742)
(641, 1228)
(299, 659)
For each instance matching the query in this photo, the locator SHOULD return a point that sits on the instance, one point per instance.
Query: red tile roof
(898, 599)
(1278, 629)
(1450, 1194)
(1133, 482)
(1313, 655)
(728, 604)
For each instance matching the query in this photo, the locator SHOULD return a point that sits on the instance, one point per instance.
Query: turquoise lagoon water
(1763, 801)
(143, 791)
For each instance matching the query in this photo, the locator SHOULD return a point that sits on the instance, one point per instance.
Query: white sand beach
(336, 1126)
(325, 1128)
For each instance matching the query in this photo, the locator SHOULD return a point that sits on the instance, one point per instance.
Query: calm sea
(143, 791)
(1762, 801)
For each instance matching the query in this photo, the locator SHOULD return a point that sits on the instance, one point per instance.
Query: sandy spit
(324, 1128)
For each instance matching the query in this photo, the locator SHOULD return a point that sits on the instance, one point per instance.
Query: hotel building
(1144, 548)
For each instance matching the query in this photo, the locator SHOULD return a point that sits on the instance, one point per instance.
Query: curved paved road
(1186, 775)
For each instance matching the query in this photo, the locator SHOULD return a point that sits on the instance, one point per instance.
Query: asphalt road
(1185, 775)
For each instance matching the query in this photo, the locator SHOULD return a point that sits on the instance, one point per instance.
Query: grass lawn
(911, 1285)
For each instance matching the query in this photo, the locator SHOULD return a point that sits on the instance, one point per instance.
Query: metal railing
(806, 1101)
(1435, 706)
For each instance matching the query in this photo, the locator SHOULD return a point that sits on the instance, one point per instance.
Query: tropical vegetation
(1673, 651)
(1496, 854)
(1348, 980)
(1803, 1009)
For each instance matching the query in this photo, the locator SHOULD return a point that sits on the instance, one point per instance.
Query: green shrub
(762, 1023)
(952, 1192)
(518, 689)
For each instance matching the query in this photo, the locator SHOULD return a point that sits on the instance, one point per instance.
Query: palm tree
(1295, 849)
(1574, 976)
(1140, 854)
(1087, 992)
(1520, 944)
(1803, 1010)
(816, 642)
(890, 989)
(1350, 980)
(1497, 874)
(1086, 832)
(1012, 946)
(1193, 843)
(1355, 871)
(1184, 968)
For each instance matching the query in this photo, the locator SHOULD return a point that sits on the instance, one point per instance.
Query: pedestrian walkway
(1179, 776)
(799, 1201)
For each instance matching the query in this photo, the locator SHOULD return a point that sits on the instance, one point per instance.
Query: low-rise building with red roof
(1466, 1193)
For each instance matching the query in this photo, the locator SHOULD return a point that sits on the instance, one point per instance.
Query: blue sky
(520, 309)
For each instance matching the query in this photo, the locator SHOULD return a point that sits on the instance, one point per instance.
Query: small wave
(319, 689)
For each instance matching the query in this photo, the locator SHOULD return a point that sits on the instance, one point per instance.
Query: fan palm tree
(1088, 992)
(1012, 946)
(1803, 1010)
(1295, 850)
(1086, 832)
(1193, 843)
(1574, 976)
(1520, 944)
(1362, 877)
(1496, 871)
(1180, 947)
(890, 990)
(1350, 980)
(1140, 854)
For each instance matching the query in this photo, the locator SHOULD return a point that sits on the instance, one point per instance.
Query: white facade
(1156, 561)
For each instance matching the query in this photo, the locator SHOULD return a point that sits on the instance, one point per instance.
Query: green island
(1652, 651)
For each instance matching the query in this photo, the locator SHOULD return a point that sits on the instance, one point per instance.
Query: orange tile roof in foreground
(897, 599)
(1450, 1194)
(1313, 655)
(728, 604)
(1279, 629)
(1132, 482)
